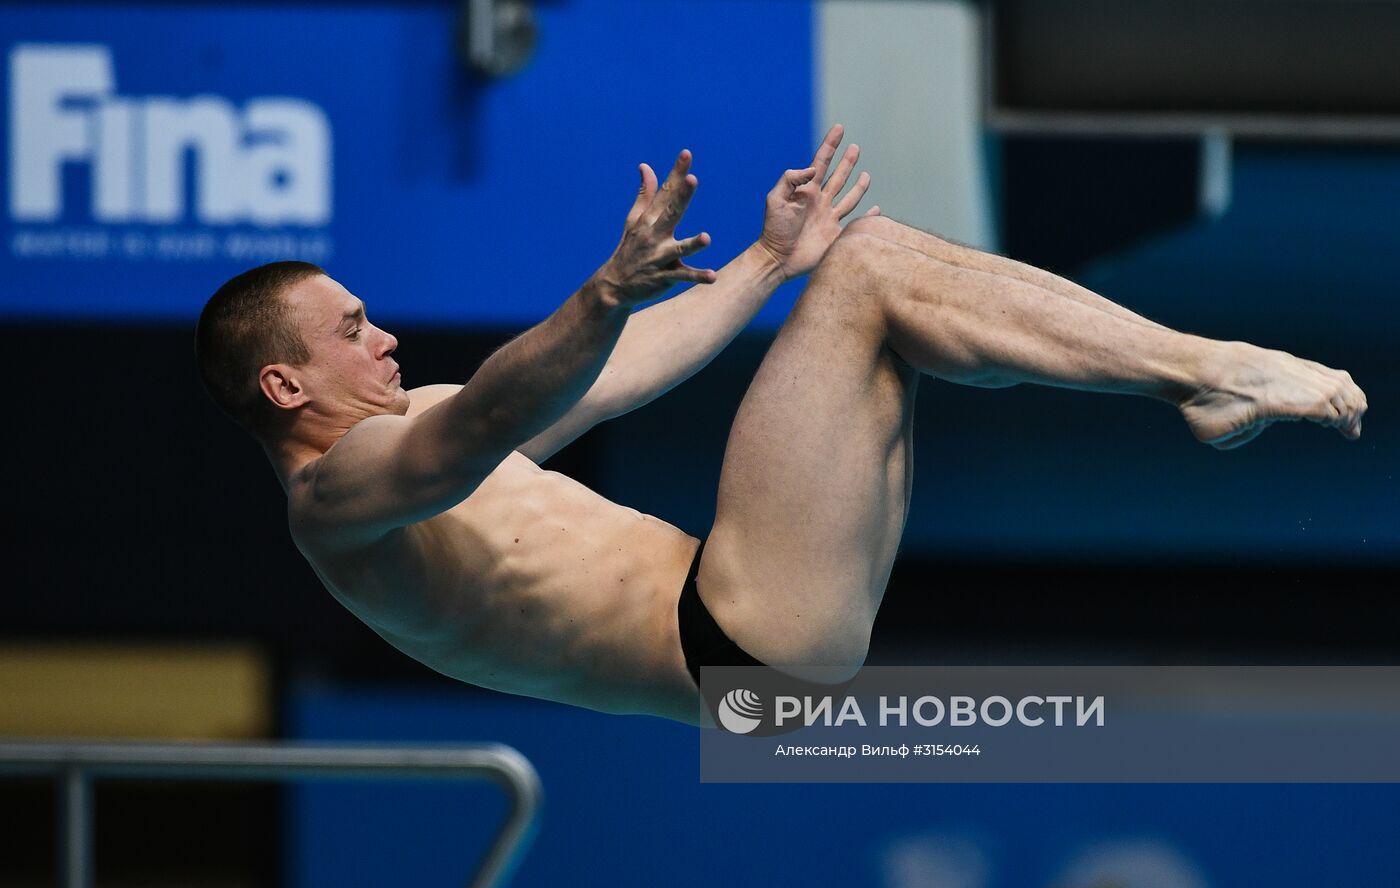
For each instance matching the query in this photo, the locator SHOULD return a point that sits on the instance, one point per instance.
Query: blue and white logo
(266, 164)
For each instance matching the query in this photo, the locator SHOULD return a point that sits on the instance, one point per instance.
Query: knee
(881, 227)
(859, 252)
(897, 233)
(874, 260)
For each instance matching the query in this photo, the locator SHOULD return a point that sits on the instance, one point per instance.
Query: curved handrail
(77, 763)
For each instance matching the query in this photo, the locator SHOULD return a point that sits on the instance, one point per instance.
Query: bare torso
(533, 585)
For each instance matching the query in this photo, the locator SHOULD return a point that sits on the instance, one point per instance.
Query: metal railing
(76, 765)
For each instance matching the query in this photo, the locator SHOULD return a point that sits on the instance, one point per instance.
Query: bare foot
(1255, 387)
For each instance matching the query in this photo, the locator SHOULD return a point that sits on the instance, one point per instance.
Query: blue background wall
(455, 200)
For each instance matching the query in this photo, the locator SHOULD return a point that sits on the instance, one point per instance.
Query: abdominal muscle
(533, 585)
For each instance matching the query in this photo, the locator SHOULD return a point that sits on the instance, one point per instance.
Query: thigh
(815, 486)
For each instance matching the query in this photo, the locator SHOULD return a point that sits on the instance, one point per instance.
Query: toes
(1351, 401)
(1358, 402)
(1327, 410)
(1352, 428)
(1346, 400)
(1338, 403)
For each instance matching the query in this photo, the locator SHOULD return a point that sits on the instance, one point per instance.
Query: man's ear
(281, 384)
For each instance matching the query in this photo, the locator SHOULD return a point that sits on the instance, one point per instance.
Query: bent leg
(1239, 389)
(814, 490)
(815, 485)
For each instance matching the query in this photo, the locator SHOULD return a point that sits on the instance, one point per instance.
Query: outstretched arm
(664, 345)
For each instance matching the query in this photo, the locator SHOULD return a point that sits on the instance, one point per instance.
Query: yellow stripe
(174, 691)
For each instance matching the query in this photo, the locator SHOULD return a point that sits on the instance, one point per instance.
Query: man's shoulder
(313, 492)
(363, 446)
(326, 542)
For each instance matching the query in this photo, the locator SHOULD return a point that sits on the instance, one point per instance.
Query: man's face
(351, 373)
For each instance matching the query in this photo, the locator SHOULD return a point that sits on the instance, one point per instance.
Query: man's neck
(300, 446)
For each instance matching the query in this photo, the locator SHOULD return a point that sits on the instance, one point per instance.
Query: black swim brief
(702, 640)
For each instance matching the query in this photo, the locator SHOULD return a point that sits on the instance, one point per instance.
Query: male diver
(426, 514)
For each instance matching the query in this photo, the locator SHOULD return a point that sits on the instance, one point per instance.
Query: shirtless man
(425, 513)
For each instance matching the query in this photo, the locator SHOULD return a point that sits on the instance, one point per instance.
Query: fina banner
(260, 187)
(151, 152)
(1141, 724)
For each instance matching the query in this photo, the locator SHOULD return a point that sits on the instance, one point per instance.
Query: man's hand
(803, 216)
(647, 262)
